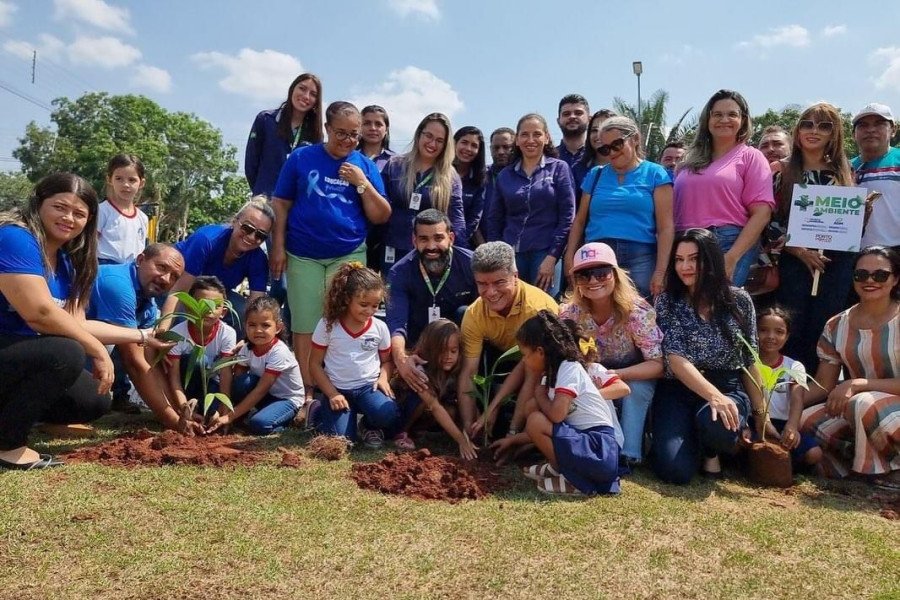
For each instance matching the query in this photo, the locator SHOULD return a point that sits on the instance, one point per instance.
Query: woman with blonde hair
(422, 178)
(607, 306)
(817, 158)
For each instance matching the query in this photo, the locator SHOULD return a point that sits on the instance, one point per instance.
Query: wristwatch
(362, 187)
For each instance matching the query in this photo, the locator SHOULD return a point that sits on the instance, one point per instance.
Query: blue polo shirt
(624, 211)
(20, 254)
(204, 254)
(117, 298)
(533, 213)
(407, 311)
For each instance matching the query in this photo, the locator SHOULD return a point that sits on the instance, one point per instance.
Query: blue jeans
(528, 264)
(272, 414)
(379, 412)
(634, 415)
(638, 258)
(726, 235)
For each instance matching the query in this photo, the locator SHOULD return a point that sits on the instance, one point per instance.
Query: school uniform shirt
(120, 237)
(588, 407)
(473, 202)
(20, 254)
(536, 212)
(883, 175)
(352, 358)
(381, 158)
(779, 405)
(117, 298)
(276, 359)
(326, 218)
(266, 151)
(204, 254)
(219, 342)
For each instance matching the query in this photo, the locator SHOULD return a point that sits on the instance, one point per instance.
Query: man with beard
(574, 115)
(502, 143)
(671, 156)
(433, 281)
(878, 169)
(775, 143)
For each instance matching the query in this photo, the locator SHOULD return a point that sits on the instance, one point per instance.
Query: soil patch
(421, 475)
(328, 447)
(144, 448)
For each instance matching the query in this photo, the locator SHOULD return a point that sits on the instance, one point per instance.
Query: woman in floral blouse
(702, 405)
(608, 307)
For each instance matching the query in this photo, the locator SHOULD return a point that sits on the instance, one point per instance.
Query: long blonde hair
(442, 178)
(624, 297)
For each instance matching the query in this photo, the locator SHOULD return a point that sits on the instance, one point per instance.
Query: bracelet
(759, 411)
(143, 341)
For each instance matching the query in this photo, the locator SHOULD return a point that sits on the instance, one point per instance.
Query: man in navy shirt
(433, 281)
(573, 116)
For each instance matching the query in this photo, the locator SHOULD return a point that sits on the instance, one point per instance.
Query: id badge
(434, 313)
(415, 201)
(390, 255)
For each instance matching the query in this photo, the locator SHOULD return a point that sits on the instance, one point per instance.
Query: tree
(187, 164)
(656, 133)
(788, 116)
(14, 190)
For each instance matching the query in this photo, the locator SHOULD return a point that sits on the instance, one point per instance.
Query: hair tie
(355, 264)
(587, 345)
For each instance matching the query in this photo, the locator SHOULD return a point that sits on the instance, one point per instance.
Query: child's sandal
(557, 485)
(539, 472)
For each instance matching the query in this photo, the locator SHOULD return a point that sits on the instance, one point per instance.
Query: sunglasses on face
(615, 146)
(878, 275)
(259, 234)
(598, 273)
(809, 125)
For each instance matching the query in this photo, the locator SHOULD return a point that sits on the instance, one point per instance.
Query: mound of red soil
(421, 475)
(144, 448)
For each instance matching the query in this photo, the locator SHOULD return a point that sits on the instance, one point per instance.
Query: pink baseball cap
(592, 255)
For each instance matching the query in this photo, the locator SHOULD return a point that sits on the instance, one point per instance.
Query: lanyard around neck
(446, 275)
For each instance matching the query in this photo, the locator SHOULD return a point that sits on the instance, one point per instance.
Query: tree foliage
(190, 172)
(14, 190)
(656, 132)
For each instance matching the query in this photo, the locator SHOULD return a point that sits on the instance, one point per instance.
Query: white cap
(882, 110)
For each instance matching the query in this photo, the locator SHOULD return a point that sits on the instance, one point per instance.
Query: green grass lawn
(87, 531)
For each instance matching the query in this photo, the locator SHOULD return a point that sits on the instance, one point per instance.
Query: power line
(24, 96)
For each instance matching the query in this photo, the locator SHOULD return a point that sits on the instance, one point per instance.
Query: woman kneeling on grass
(574, 426)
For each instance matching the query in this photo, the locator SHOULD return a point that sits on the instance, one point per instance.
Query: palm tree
(653, 122)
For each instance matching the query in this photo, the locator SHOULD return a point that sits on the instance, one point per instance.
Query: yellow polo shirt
(480, 324)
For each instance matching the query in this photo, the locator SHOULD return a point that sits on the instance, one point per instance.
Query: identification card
(434, 313)
(415, 200)
(390, 255)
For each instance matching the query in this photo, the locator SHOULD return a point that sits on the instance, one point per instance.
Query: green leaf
(192, 306)
(170, 336)
(225, 361)
(195, 360)
(223, 399)
(478, 380)
(208, 306)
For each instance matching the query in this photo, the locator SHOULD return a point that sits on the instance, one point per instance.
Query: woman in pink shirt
(724, 185)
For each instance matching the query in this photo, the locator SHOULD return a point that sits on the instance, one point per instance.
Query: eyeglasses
(809, 125)
(878, 275)
(598, 273)
(344, 136)
(729, 116)
(259, 234)
(615, 146)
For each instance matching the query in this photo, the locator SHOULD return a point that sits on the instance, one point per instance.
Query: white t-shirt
(781, 397)
(120, 237)
(219, 342)
(352, 360)
(588, 408)
(278, 360)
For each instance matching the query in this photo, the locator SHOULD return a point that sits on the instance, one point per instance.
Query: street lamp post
(638, 68)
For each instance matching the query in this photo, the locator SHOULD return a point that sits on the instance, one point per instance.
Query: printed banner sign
(826, 217)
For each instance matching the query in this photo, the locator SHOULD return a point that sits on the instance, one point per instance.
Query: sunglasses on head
(615, 146)
(598, 273)
(259, 234)
(878, 275)
(809, 125)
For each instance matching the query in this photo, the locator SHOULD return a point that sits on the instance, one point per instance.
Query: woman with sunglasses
(609, 309)
(469, 164)
(724, 185)
(230, 252)
(703, 403)
(817, 158)
(859, 423)
(627, 205)
(533, 205)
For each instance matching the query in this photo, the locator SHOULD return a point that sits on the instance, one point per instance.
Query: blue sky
(482, 62)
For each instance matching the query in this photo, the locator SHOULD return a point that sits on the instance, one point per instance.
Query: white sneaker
(371, 438)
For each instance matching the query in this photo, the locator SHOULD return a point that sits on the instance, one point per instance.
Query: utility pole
(33, 63)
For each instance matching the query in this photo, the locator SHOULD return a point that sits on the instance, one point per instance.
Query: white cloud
(107, 52)
(6, 11)
(427, 9)
(890, 78)
(152, 78)
(408, 95)
(95, 12)
(790, 35)
(258, 75)
(47, 47)
(681, 55)
(834, 30)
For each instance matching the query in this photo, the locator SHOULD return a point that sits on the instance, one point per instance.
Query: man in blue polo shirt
(433, 281)
(123, 311)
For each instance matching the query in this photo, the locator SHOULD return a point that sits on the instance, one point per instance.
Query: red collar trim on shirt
(195, 334)
(360, 332)
(134, 210)
(263, 350)
(778, 363)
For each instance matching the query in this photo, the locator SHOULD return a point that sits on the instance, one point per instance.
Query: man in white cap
(878, 169)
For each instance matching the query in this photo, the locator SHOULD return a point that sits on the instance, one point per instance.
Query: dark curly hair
(546, 331)
(351, 279)
(266, 304)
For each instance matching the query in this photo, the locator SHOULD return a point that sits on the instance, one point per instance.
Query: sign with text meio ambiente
(827, 217)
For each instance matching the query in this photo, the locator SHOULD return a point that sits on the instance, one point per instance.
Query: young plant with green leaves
(197, 312)
(482, 384)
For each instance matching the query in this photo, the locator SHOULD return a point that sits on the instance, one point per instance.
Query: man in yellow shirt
(504, 302)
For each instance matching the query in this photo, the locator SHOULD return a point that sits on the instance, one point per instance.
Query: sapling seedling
(482, 383)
